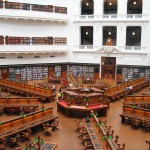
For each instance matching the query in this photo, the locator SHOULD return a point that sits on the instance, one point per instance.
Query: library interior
(74, 75)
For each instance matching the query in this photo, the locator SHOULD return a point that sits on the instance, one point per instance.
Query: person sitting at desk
(60, 94)
(129, 88)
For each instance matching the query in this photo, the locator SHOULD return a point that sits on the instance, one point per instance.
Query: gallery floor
(67, 139)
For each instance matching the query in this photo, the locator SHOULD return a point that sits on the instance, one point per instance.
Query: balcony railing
(33, 49)
(105, 17)
(33, 15)
(111, 49)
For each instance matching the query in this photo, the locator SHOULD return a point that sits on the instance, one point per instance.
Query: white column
(77, 8)
(77, 36)
(122, 7)
(145, 7)
(97, 36)
(144, 36)
(121, 35)
(98, 7)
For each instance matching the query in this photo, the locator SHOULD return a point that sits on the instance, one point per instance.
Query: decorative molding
(108, 50)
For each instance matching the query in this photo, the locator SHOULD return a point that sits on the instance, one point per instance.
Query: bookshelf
(17, 40)
(9, 40)
(82, 71)
(42, 40)
(59, 40)
(23, 74)
(15, 5)
(134, 73)
(57, 72)
(44, 8)
(45, 71)
(34, 7)
(12, 74)
(62, 10)
(85, 71)
(91, 72)
(1, 40)
(28, 73)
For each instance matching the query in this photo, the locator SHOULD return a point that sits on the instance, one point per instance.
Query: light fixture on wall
(87, 4)
(110, 3)
(134, 2)
(133, 33)
(86, 33)
(109, 33)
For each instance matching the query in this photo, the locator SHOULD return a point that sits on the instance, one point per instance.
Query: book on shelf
(1, 3)
(62, 10)
(60, 40)
(15, 5)
(1, 40)
(17, 40)
(42, 40)
(44, 8)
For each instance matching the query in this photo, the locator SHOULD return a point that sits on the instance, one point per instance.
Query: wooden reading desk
(20, 124)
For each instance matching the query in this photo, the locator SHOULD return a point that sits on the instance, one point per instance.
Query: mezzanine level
(112, 18)
(35, 12)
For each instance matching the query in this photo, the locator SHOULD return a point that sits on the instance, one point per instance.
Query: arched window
(134, 7)
(110, 6)
(133, 36)
(87, 7)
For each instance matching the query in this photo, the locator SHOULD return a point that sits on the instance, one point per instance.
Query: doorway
(108, 67)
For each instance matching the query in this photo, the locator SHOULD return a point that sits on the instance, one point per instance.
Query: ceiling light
(133, 33)
(110, 3)
(86, 33)
(109, 33)
(87, 4)
(134, 2)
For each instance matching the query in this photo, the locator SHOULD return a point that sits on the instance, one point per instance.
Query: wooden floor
(67, 138)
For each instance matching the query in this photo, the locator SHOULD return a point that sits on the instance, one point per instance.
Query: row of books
(46, 8)
(34, 7)
(1, 3)
(134, 73)
(28, 73)
(1, 40)
(82, 71)
(33, 41)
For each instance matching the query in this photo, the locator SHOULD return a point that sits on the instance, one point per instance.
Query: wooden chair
(47, 129)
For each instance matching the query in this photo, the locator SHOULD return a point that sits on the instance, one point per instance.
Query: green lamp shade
(110, 137)
(103, 138)
(102, 123)
(91, 115)
(97, 124)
